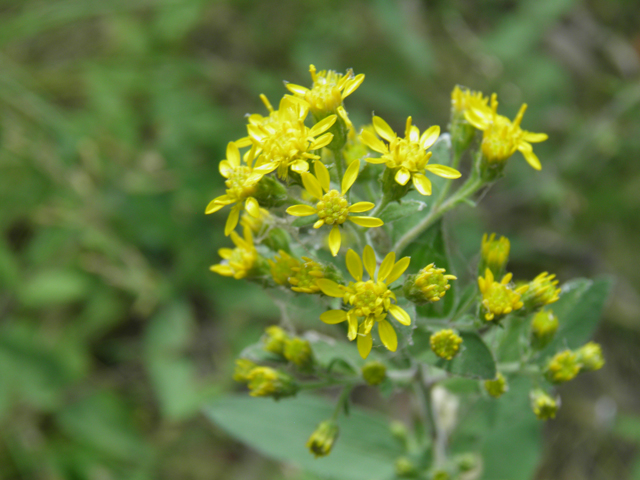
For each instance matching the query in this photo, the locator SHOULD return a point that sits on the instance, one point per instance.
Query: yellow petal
(350, 176)
(299, 166)
(400, 314)
(353, 85)
(365, 342)
(534, 137)
(330, 288)
(318, 224)
(224, 270)
(334, 240)
(403, 176)
(388, 335)
(323, 125)
(232, 220)
(225, 168)
(353, 326)
(429, 137)
(373, 142)
(422, 184)
(529, 156)
(333, 316)
(301, 210)
(312, 185)
(251, 206)
(321, 141)
(233, 154)
(476, 119)
(369, 222)
(297, 89)
(398, 269)
(376, 160)
(386, 266)
(354, 265)
(443, 171)
(383, 129)
(322, 174)
(225, 253)
(213, 206)
(369, 260)
(361, 207)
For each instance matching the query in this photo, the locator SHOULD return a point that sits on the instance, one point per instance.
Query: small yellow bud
(494, 254)
(282, 267)
(298, 352)
(499, 298)
(590, 357)
(445, 343)
(429, 285)
(275, 339)
(543, 327)
(542, 291)
(405, 468)
(322, 439)
(242, 370)
(304, 277)
(267, 382)
(497, 387)
(564, 366)
(544, 406)
(374, 372)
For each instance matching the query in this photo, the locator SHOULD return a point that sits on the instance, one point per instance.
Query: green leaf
(304, 221)
(364, 450)
(55, 287)
(473, 361)
(395, 211)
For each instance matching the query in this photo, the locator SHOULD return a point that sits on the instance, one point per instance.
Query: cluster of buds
(565, 365)
(294, 349)
(445, 343)
(265, 381)
(428, 285)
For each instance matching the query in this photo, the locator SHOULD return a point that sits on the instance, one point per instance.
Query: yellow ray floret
(498, 298)
(463, 99)
(368, 300)
(333, 208)
(284, 140)
(238, 262)
(501, 137)
(407, 156)
(241, 185)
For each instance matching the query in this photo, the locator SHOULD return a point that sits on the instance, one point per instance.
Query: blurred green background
(114, 115)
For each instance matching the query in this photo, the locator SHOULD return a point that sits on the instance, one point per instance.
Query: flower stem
(342, 400)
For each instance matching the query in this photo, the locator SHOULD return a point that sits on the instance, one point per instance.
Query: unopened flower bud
(543, 405)
(399, 431)
(374, 372)
(242, 370)
(275, 339)
(543, 328)
(564, 366)
(428, 285)
(494, 255)
(440, 475)
(445, 343)
(405, 468)
(267, 382)
(322, 439)
(277, 240)
(281, 267)
(467, 462)
(497, 387)
(542, 291)
(590, 357)
(270, 192)
(298, 352)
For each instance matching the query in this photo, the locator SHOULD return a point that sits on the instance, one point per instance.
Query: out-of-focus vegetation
(114, 115)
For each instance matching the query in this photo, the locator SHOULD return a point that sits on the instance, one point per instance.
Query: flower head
(428, 285)
(463, 99)
(543, 327)
(494, 254)
(275, 339)
(368, 300)
(323, 437)
(498, 298)
(242, 370)
(408, 156)
(333, 208)
(268, 382)
(564, 366)
(590, 357)
(496, 387)
(543, 405)
(241, 182)
(240, 261)
(298, 351)
(501, 137)
(328, 91)
(281, 267)
(445, 343)
(284, 140)
(374, 372)
(543, 290)
(304, 277)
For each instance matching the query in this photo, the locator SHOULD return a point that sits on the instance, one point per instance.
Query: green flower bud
(374, 372)
(428, 285)
(399, 431)
(270, 192)
(494, 255)
(405, 468)
(267, 382)
(467, 462)
(497, 387)
(277, 240)
(392, 189)
(564, 366)
(544, 406)
(543, 328)
(590, 356)
(445, 343)
(440, 475)
(275, 339)
(243, 369)
(322, 439)
(542, 291)
(298, 352)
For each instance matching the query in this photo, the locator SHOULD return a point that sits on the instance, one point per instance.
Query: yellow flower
(304, 278)
(544, 326)
(268, 382)
(428, 285)
(499, 299)
(543, 290)
(370, 300)
(564, 366)
(323, 437)
(256, 224)
(544, 406)
(284, 140)
(463, 99)
(329, 90)
(590, 357)
(494, 254)
(241, 185)
(496, 387)
(501, 137)
(238, 261)
(333, 208)
(445, 343)
(407, 156)
(282, 267)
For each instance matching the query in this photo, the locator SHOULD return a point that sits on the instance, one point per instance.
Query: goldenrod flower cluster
(494, 254)
(496, 387)
(564, 366)
(445, 343)
(499, 298)
(429, 285)
(543, 405)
